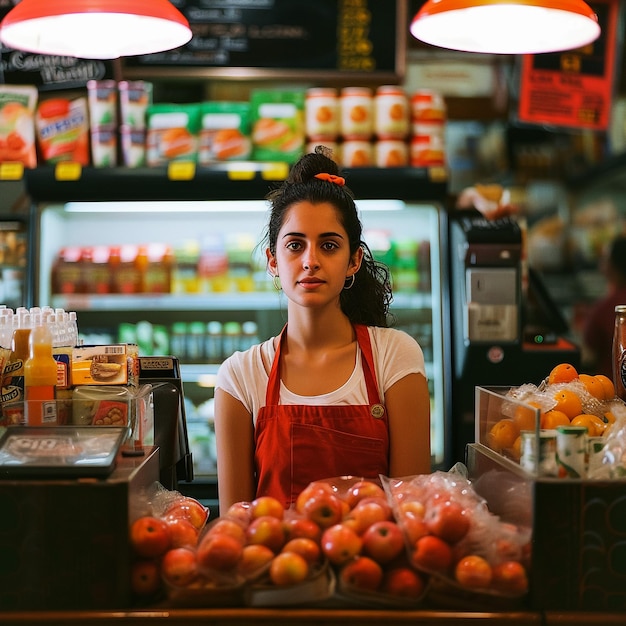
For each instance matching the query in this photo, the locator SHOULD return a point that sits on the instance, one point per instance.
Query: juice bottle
(40, 378)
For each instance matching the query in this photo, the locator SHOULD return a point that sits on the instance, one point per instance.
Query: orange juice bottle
(40, 379)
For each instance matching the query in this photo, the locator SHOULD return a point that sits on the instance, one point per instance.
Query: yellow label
(11, 171)
(276, 171)
(437, 173)
(181, 170)
(241, 174)
(68, 170)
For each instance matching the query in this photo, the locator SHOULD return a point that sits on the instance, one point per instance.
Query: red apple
(225, 526)
(411, 508)
(324, 508)
(145, 577)
(268, 531)
(150, 536)
(363, 489)
(183, 532)
(413, 528)
(266, 505)
(302, 527)
(340, 544)
(312, 489)
(448, 520)
(474, 572)
(403, 582)
(305, 547)
(432, 554)
(510, 577)
(219, 552)
(190, 509)
(255, 557)
(369, 511)
(239, 511)
(362, 573)
(179, 567)
(288, 568)
(383, 541)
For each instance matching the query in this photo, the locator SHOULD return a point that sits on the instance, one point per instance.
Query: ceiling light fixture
(506, 26)
(94, 29)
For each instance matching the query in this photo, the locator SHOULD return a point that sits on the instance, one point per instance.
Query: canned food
(357, 153)
(322, 113)
(428, 149)
(391, 153)
(102, 98)
(133, 146)
(571, 450)
(357, 113)
(538, 454)
(391, 113)
(428, 106)
(104, 146)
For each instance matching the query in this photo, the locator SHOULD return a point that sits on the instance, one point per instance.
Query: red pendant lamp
(94, 29)
(506, 26)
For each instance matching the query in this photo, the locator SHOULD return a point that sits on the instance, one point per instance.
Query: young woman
(337, 392)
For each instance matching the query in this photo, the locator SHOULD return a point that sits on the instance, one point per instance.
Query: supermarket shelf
(202, 302)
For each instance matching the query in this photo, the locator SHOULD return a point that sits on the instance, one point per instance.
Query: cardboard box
(115, 364)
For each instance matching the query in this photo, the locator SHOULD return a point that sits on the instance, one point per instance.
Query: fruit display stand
(578, 560)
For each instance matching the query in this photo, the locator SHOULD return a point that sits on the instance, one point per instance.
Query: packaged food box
(113, 364)
(17, 124)
(172, 133)
(224, 132)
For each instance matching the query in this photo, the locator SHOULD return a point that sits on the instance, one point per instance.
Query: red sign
(573, 88)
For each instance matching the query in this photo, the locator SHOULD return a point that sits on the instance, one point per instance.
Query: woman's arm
(234, 435)
(408, 410)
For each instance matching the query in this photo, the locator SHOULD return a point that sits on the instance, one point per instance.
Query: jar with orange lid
(357, 153)
(321, 108)
(391, 120)
(357, 113)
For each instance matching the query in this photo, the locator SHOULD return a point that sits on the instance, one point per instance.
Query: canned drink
(391, 113)
(571, 450)
(322, 114)
(357, 113)
(357, 153)
(538, 455)
(391, 153)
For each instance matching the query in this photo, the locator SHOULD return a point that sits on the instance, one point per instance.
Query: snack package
(224, 132)
(278, 128)
(114, 364)
(17, 124)
(63, 130)
(172, 133)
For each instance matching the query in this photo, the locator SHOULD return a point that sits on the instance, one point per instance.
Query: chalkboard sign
(298, 37)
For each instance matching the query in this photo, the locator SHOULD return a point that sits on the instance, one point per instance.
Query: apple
(239, 511)
(266, 505)
(268, 531)
(448, 520)
(474, 572)
(190, 509)
(288, 568)
(363, 489)
(313, 489)
(183, 532)
(150, 536)
(369, 511)
(219, 552)
(432, 554)
(413, 528)
(254, 558)
(145, 577)
(225, 526)
(403, 582)
(179, 567)
(340, 544)
(302, 527)
(362, 573)
(510, 577)
(323, 507)
(383, 541)
(411, 508)
(305, 547)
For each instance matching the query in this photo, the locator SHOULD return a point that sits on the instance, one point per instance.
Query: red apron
(298, 444)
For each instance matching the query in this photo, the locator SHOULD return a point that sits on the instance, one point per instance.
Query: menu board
(364, 37)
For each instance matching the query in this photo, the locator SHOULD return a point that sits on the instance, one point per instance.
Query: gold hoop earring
(349, 282)
(276, 281)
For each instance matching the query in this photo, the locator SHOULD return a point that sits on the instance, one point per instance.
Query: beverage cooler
(174, 266)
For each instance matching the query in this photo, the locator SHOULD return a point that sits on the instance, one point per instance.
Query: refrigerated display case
(220, 298)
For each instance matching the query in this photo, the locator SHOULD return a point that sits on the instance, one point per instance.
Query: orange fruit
(474, 572)
(502, 435)
(551, 419)
(609, 417)
(607, 383)
(524, 417)
(516, 448)
(568, 402)
(562, 373)
(593, 386)
(594, 424)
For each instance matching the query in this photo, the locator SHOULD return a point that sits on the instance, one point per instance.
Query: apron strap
(272, 392)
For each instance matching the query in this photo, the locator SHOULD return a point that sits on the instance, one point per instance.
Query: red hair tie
(331, 178)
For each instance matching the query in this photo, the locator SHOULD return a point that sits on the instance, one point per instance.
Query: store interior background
(567, 184)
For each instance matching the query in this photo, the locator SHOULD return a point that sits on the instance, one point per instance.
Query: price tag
(437, 174)
(11, 171)
(242, 174)
(181, 170)
(68, 170)
(276, 171)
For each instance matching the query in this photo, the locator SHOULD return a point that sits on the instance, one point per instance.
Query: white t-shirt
(396, 354)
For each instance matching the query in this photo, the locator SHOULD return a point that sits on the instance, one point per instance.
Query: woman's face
(313, 254)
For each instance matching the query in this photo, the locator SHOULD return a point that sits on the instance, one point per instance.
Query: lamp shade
(506, 26)
(94, 29)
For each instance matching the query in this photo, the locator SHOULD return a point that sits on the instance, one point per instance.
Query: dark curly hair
(368, 300)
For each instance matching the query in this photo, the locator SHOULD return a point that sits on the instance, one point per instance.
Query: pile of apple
(451, 534)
